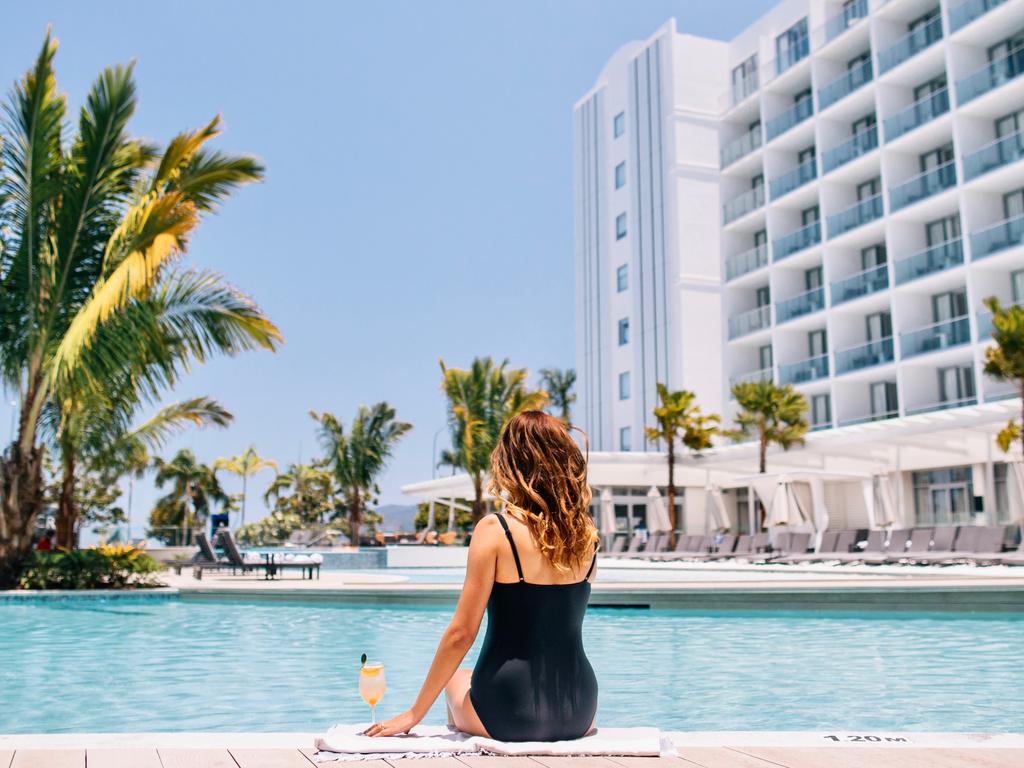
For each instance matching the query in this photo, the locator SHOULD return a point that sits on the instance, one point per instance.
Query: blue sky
(418, 200)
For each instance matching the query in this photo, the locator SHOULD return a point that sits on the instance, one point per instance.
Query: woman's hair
(543, 475)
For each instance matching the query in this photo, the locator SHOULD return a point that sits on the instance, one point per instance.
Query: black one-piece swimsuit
(532, 681)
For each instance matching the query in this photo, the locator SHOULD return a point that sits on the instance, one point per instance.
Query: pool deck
(704, 750)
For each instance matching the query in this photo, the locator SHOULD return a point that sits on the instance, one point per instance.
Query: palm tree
(481, 400)
(90, 232)
(1005, 360)
(558, 385)
(245, 465)
(358, 458)
(195, 492)
(678, 417)
(307, 491)
(770, 413)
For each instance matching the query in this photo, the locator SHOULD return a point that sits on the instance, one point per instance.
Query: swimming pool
(151, 665)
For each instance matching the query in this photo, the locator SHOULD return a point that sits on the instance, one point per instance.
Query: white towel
(346, 742)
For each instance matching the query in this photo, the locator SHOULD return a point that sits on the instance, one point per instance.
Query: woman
(531, 567)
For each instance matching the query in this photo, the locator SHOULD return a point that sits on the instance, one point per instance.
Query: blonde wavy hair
(542, 474)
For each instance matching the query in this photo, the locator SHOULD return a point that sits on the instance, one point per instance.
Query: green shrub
(105, 567)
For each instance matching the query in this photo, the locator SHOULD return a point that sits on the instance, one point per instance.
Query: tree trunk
(478, 498)
(355, 517)
(67, 513)
(1022, 418)
(245, 482)
(21, 499)
(763, 468)
(185, 515)
(671, 493)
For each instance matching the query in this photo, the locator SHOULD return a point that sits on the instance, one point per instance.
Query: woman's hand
(402, 723)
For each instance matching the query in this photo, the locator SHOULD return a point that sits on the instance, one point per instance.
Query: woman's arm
(458, 638)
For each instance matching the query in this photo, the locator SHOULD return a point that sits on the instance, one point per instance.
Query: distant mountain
(397, 517)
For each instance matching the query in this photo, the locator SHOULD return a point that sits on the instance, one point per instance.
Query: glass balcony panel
(803, 304)
(792, 116)
(742, 205)
(920, 112)
(910, 44)
(934, 259)
(741, 147)
(963, 14)
(991, 76)
(922, 186)
(803, 173)
(868, 418)
(745, 262)
(861, 144)
(792, 55)
(861, 284)
(748, 322)
(942, 405)
(1008, 149)
(806, 370)
(845, 84)
(950, 333)
(765, 374)
(1005, 234)
(864, 355)
(804, 237)
(855, 216)
(845, 19)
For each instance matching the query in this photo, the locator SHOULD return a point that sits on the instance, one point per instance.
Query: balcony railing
(923, 185)
(792, 55)
(920, 112)
(845, 19)
(864, 355)
(991, 76)
(855, 216)
(804, 304)
(963, 14)
(880, 416)
(861, 144)
(853, 287)
(745, 87)
(765, 374)
(740, 147)
(745, 262)
(910, 44)
(936, 258)
(806, 370)
(787, 182)
(844, 85)
(1006, 234)
(802, 238)
(744, 204)
(792, 116)
(1003, 151)
(931, 338)
(942, 405)
(748, 322)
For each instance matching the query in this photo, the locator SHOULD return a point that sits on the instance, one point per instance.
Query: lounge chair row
(207, 559)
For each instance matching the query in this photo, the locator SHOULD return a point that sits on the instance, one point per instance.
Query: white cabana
(431, 516)
(657, 516)
(786, 507)
(607, 515)
(717, 516)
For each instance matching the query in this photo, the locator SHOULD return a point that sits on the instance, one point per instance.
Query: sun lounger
(972, 543)
(829, 541)
(943, 539)
(636, 543)
(744, 547)
(618, 543)
(723, 550)
(689, 547)
(988, 548)
(205, 557)
(1016, 557)
(270, 564)
(872, 551)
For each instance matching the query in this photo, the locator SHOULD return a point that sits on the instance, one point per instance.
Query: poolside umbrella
(885, 513)
(785, 508)
(867, 487)
(657, 515)
(764, 489)
(607, 514)
(718, 517)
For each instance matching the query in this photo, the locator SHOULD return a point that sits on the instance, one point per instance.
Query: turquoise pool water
(151, 665)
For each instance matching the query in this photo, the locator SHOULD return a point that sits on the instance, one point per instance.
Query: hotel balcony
(932, 338)
(1008, 149)
(861, 144)
(991, 76)
(787, 182)
(864, 355)
(937, 258)
(746, 87)
(855, 216)
(942, 405)
(745, 262)
(1006, 234)
(806, 370)
(963, 14)
(804, 304)
(920, 112)
(796, 114)
(881, 416)
(748, 322)
(863, 283)
(765, 374)
(910, 44)
(796, 241)
(922, 186)
(744, 204)
(844, 85)
(845, 19)
(739, 148)
(792, 56)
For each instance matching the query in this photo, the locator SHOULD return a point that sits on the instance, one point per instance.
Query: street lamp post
(433, 454)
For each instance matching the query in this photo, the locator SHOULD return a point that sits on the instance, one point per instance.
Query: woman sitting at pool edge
(531, 567)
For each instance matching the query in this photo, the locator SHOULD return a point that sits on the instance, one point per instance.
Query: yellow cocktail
(372, 685)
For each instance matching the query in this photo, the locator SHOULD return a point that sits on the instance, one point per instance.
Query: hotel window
(942, 230)
(868, 189)
(812, 278)
(624, 385)
(620, 175)
(625, 439)
(883, 399)
(821, 411)
(810, 215)
(878, 326)
(1001, 492)
(1013, 204)
(803, 96)
(926, 89)
(943, 496)
(936, 157)
(805, 155)
(817, 344)
(864, 124)
(1009, 49)
(1017, 286)
(744, 79)
(1010, 124)
(956, 384)
(621, 278)
(872, 256)
(949, 305)
(620, 226)
(623, 331)
(859, 68)
(619, 125)
(764, 356)
(791, 46)
(763, 296)
(761, 238)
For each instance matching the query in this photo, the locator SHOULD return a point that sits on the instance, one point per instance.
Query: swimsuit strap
(593, 562)
(515, 552)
